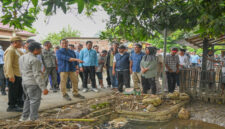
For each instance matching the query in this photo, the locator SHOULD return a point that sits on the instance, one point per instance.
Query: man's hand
(170, 70)
(113, 72)
(80, 61)
(131, 71)
(71, 59)
(81, 69)
(12, 79)
(45, 91)
(77, 71)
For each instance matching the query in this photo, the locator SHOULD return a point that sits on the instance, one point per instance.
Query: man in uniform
(49, 64)
(2, 76)
(13, 76)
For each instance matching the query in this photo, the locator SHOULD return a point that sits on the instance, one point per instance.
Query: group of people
(28, 68)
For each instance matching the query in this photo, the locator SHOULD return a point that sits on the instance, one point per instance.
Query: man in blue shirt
(68, 67)
(135, 69)
(2, 76)
(195, 60)
(89, 56)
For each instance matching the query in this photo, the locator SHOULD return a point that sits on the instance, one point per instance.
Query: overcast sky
(87, 26)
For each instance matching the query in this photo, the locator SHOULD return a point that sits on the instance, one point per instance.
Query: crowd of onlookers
(28, 68)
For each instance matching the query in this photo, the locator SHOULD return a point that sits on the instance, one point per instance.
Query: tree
(65, 32)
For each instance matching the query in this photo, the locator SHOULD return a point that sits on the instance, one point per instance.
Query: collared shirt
(1, 56)
(210, 64)
(151, 65)
(48, 58)
(172, 62)
(136, 59)
(11, 59)
(183, 61)
(89, 57)
(194, 58)
(63, 56)
(30, 68)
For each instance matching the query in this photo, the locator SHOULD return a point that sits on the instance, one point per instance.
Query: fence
(204, 85)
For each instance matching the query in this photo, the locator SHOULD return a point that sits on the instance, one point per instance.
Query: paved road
(49, 101)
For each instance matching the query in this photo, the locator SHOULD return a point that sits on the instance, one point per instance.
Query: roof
(83, 38)
(197, 41)
(18, 32)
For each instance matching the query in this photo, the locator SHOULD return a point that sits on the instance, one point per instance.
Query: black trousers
(147, 84)
(89, 71)
(172, 79)
(3, 85)
(81, 76)
(123, 79)
(108, 78)
(15, 92)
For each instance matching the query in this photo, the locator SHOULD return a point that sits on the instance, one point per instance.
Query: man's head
(96, 48)
(122, 49)
(103, 53)
(47, 44)
(16, 41)
(64, 43)
(174, 51)
(35, 48)
(115, 46)
(71, 46)
(210, 53)
(137, 48)
(89, 45)
(80, 47)
(182, 52)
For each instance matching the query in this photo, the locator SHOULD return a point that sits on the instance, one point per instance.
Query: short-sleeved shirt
(100, 65)
(172, 62)
(210, 64)
(136, 59)
(48, 58)
(194, 58)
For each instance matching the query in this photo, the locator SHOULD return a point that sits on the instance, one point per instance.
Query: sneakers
(67, 97)
(22, 119)
(14, 109)
(85, 90)
(79, 96)
(95, 89)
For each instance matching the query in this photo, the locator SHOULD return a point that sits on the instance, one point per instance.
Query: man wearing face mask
(172, 69)
(12, 74)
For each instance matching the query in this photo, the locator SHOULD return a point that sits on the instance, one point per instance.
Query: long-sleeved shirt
(63, 56)
(11, 59)
(1, 56)
(30, 68)
(89, 57)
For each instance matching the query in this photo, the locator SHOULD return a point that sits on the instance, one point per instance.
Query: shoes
(85, 90)
(95, 90)
(22, 119)
(67, 97)
(79, 96)
(14, 109)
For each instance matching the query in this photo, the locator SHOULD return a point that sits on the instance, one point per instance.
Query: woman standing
(149, 70)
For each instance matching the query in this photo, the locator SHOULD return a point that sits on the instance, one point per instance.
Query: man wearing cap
(49, 63)
(121, 65)
(12, 74)
(172, 69)
(2, 76)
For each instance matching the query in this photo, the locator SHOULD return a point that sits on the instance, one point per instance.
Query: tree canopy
(54, 38)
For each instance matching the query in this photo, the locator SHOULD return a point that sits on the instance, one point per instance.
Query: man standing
(49, 63)
(25, 47)
(195, 60)
(13, 76)
(109, 64)
(33, 83)
(172, 69)
(2, 76)
(68, 67)
(121, 68)
(89, 56)
(79, 48)
(135, 69)
(101, 63)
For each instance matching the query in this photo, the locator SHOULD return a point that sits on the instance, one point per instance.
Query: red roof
(19, 32)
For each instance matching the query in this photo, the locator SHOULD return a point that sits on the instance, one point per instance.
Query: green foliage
(65, 32)
(31, 30)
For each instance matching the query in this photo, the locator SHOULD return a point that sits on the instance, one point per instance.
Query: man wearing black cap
(121, 68)
(172, 69)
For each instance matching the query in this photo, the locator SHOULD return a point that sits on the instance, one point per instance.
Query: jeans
(171, 78)
(123, 79)
(15, 92)
(147, 84)
(89, 71)
(32, 101)
(113, 79)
